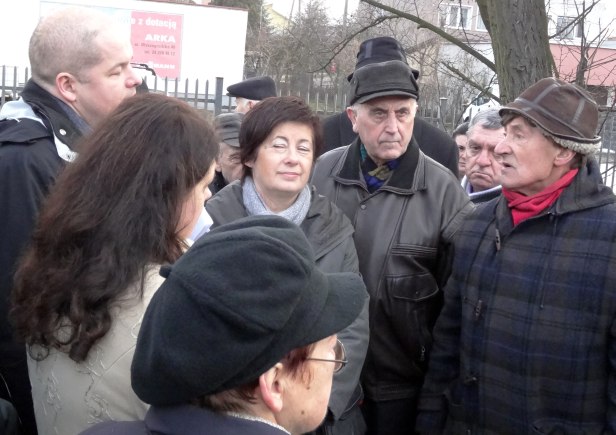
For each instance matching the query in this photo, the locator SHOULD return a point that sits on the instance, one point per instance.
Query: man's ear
(271, 385)
(66, 86)
(250, 104)
(217, 166)
(563, 156)
(352, 114)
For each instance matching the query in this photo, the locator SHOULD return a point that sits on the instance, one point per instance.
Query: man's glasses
(339, 354)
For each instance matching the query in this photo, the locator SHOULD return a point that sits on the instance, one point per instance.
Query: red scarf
(523, 207)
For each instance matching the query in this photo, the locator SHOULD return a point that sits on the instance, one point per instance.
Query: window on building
(480, 24)
(566, 30)
(456, 16)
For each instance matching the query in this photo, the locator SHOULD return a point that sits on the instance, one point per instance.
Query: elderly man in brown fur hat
(526, 341)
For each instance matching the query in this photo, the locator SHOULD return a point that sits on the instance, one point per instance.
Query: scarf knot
(376, 175)
(523, 207)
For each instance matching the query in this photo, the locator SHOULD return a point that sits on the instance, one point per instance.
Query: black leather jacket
(403, 233)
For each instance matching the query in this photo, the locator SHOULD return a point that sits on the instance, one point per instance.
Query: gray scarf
(255, 206)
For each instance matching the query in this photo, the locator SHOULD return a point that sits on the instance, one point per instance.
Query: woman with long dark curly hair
(122, 209)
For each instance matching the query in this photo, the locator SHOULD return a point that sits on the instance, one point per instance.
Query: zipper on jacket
(498, 240)
(478, 309)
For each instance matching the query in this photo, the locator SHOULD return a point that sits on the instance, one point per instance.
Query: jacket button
(470, 379)
(62, 132)
(363, 206)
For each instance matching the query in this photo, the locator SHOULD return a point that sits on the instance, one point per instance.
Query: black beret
(382, 79)
(239, 300)
(254, 88)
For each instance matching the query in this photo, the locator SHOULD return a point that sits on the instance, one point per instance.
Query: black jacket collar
(48, 108)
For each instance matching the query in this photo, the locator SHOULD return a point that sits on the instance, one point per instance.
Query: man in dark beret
(249, 92)
(433, 142)
(526, 341)
(405, 208)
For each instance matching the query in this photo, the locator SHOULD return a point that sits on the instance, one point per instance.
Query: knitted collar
(255, 205)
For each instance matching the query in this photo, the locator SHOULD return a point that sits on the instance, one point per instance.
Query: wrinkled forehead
(486, 137)
(518, 123)
(390, 103)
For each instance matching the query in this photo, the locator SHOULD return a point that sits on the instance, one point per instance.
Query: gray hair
(488, 118)
(65, 41)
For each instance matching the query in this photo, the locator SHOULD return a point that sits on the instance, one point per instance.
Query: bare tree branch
(429, 26)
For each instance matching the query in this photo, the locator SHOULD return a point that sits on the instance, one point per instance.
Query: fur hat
(563, 110)
(380, 49)
(382, 79)
(240, 299)
(254, 88)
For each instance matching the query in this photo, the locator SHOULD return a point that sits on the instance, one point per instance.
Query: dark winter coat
(184, 420)
(433, 142)
(29, 165)
(402, 234)
(331, 236)
(526, 342)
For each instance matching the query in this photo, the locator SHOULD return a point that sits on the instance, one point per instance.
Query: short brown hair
(266, 116)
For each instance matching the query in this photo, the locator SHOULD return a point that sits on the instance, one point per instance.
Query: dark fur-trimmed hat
(380, 49)
(239, 300)
(562, 109)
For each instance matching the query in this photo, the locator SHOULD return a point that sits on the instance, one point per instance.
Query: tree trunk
(519, 33)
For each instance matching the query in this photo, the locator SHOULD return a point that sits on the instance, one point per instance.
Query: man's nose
(391, 123)
(134, 79)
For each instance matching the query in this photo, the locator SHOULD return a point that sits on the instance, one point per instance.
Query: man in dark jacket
(405, 208)
(526, 342)
(80, 72)
(433, 142)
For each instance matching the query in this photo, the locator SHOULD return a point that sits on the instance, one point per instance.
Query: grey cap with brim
(391, 78)
(228, 127)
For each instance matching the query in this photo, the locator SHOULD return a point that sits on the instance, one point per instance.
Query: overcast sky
(335, 8)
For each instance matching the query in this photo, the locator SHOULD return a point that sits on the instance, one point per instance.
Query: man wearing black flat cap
(245, 345)
(433, 142)
(249, 92)
(526, 341)
(405, 208)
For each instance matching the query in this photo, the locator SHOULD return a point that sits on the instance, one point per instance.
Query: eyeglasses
(339, 360)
